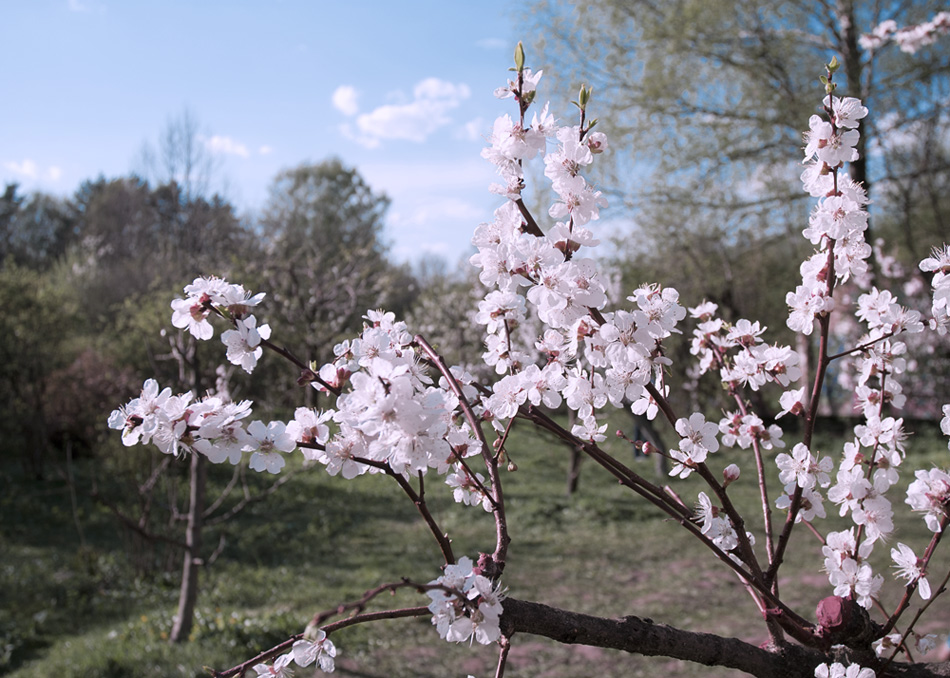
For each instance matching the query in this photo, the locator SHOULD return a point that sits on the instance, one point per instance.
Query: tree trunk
(573, 471)
(188, 593)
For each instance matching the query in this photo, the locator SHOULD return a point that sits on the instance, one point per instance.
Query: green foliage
(40, 313)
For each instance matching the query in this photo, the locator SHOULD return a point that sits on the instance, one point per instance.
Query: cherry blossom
(320, 649)
(909, 567)
(267, 442)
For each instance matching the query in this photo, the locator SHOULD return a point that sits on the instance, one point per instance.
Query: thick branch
(645, 637)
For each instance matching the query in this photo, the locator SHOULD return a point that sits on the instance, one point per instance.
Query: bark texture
(646, 637)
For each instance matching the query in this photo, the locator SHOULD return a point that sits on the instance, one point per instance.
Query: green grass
(319, 541)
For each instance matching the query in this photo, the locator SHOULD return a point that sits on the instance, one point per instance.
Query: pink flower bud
(730, 474)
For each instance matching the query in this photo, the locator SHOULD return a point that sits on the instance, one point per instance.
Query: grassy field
(70, 612)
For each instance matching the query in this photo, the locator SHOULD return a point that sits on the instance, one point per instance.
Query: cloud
(54, 173)
(77, 6)
(226, 146)
(438, 211)
(265, 150)
(344, 100)
(491, 43)
(413, 121)
(27, 168)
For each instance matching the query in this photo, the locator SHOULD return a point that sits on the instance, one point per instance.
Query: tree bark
(645, 637)
(188, 592)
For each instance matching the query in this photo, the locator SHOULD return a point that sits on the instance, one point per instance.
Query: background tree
(711, 96)
(324, 261)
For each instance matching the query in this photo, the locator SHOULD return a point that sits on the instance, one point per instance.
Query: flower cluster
(738, 351)
(848, 569)
(717, 526)
(392, 414)
(206, 296)
(839, 220)
(466, 604)
(938, 263)
(837, 670)
(316, 647)
(743, 429)
(591, 358)
(212, 426)
(910, 38)
(930, 494)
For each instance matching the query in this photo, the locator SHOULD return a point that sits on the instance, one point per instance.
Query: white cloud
(54, 173)
(345, 100)
(265, 150)
(413, 121)
(438, 211)
(491, 43)
(226, 146)
(27, 168)
(77, 6)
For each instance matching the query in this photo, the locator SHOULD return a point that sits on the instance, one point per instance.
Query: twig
(445, 545)
(502, 539)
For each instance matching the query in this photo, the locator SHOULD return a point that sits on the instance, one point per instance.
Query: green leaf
(519, 57)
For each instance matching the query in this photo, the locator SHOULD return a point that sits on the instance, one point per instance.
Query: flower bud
(730, 474)
(519, 57)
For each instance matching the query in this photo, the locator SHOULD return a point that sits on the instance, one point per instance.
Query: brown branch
(250, 499)
(502, 539)
(445, 544)
(645, 637)
(133, 525)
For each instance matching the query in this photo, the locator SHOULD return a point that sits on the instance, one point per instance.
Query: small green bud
(519, 57)
(833, 64)
(824, 80)
(583, 97)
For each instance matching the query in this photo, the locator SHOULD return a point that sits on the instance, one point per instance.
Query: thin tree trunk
(574, 471)
(574, 463)
(188, 593)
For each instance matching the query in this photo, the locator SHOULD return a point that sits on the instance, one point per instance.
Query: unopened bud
(512, 466)
(647, 448)
(730, 474)
(583, 96)
(519, 57)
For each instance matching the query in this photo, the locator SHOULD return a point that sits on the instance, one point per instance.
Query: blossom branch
(912, 586)
(502, 539)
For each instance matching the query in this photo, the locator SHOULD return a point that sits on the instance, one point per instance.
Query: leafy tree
(32, 348)
(35, 230)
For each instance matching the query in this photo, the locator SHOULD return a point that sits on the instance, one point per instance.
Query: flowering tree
(400, 410)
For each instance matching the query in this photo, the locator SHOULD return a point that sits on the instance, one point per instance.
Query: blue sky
(400, 90)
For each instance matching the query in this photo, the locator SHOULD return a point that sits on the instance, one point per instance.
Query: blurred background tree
(323, 263)
(712, 95)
